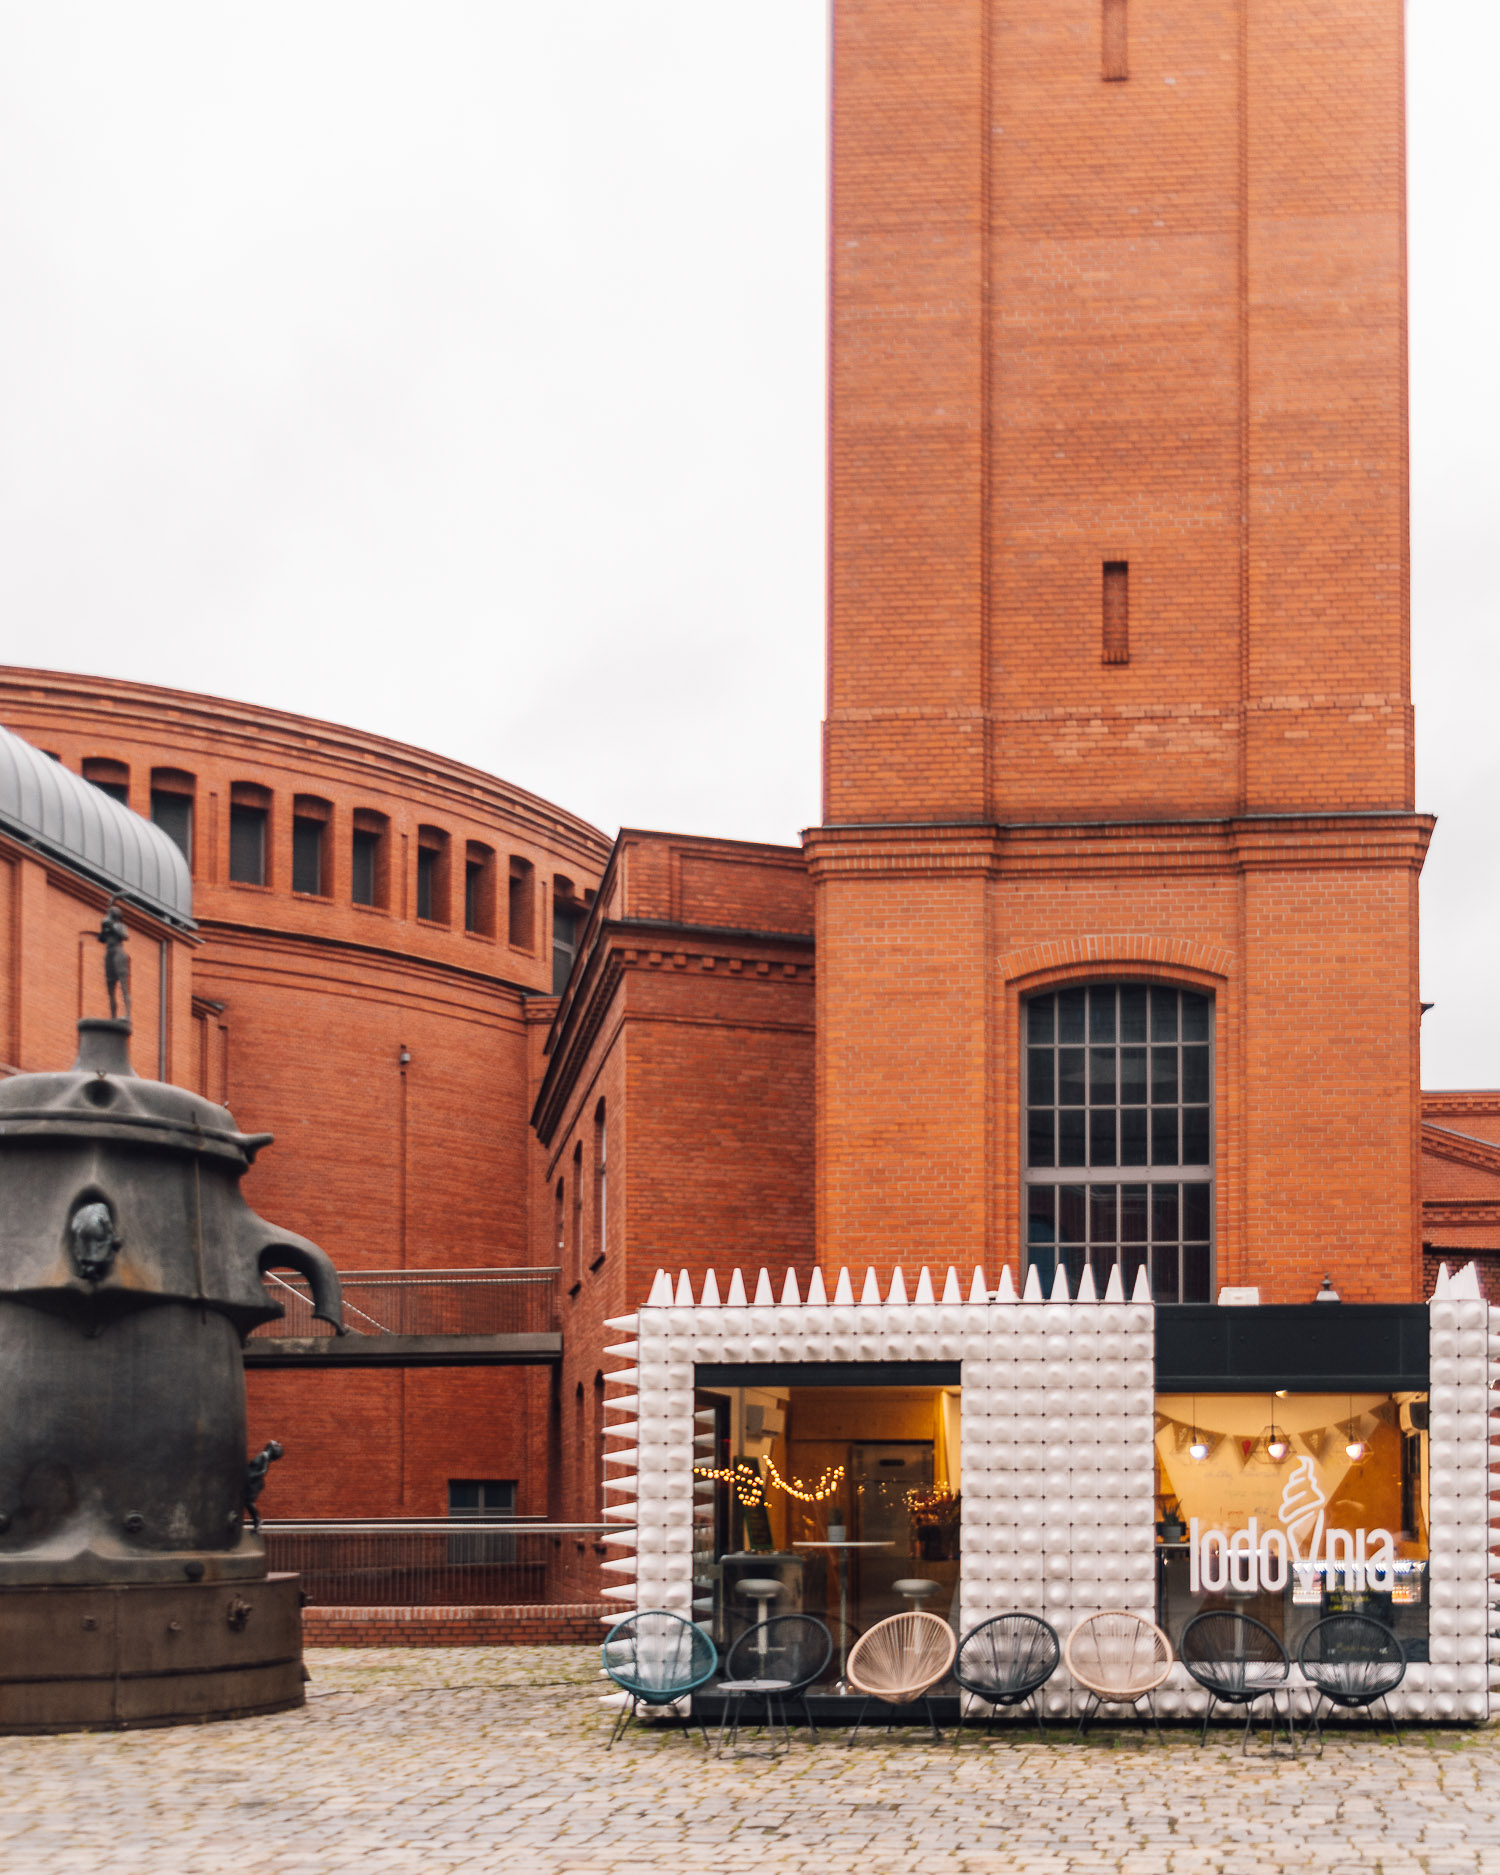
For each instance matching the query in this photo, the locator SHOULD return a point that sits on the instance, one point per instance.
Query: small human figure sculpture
(112, 935)
(94, 1241)
(255, 1477)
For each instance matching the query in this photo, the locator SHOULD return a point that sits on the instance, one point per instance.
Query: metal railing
(423, 1302)
(439, 1562)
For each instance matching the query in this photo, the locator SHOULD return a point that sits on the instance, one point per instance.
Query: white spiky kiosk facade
(1058, 1507)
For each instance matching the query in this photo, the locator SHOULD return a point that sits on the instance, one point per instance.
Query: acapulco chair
(899, 1661)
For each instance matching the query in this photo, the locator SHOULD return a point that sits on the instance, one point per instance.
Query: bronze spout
(286, 1251)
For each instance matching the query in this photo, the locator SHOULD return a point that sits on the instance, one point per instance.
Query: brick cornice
(1229, 844)
(618, 947)
(1439, 1102)
(304, 746)
(1459, 1213)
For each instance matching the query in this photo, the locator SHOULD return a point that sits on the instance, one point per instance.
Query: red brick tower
(1118, 682)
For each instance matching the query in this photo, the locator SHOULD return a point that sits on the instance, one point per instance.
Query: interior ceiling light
(1276, 1444)
(1199, 1448)
(1356, 1446)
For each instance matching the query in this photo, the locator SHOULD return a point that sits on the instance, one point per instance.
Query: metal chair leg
(1391, 1718)
(726, 1728)
(1208, 1713)
(931, 1718)
(807, 1713)
(1151, 1702)
(1090, 1707)
(622, 1719)
(859, 1720)
(1036, 1713)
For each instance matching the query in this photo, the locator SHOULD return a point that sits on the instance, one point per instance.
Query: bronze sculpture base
(109, 1658)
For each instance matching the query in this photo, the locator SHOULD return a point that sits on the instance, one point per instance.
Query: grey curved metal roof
(60, 813)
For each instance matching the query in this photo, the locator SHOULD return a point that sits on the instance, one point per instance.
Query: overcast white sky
(456, 371)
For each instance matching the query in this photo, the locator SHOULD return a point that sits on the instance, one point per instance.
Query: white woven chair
(1118, 1659)
(899, 1661)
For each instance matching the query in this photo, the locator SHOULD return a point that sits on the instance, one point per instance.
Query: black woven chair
(657, 1657)
(1238, 1662)
(1005, 1662)
(793, 1648)
(1352, 1661)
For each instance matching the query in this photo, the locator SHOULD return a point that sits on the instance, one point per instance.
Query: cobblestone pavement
(492, 1758)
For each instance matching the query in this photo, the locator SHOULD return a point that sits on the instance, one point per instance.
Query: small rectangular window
(310, 853)
(479, 889)
(1114, 40)
(362, 867)
(369, 870)
(247, 844)
(1116, 612)
(173, 813)
(520, 909)
(307, 855)
(432, 874)
(567, 916)
(481, 1497)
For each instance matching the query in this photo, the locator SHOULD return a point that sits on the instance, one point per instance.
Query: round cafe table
(842, 1551)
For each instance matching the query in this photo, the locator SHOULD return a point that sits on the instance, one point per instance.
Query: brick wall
(1159, 322)
(690, 1016)
(558, 1625)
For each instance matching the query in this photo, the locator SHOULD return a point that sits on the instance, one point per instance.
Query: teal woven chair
(657, 1657)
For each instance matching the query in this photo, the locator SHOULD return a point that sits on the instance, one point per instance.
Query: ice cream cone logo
(1301, 1513)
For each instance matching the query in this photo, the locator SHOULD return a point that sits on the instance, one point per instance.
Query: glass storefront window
(1289, 1507)
(847, 1499)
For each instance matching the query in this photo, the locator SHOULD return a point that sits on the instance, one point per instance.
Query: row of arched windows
(430, 887)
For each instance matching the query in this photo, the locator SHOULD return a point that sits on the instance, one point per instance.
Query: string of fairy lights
(750, 1486)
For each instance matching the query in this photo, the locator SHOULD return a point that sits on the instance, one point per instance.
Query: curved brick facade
(304, 1003)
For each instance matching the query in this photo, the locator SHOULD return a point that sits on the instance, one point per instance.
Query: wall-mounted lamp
(405, 1056)
(1328, 1293)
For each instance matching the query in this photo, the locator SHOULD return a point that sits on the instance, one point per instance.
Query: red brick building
(373, 925)
(1114, 903)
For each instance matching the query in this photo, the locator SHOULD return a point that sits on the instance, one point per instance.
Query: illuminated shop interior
(1290, 1506)
(846, 1498)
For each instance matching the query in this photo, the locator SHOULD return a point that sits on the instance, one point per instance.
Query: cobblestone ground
(494, 1758)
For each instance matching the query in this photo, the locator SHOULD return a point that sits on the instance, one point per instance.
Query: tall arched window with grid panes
(1118, 1144)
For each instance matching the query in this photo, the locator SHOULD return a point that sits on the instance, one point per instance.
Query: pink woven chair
(899, 1661)
(1118, 1659)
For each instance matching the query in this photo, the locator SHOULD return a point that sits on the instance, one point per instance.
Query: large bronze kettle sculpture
(130, 1273)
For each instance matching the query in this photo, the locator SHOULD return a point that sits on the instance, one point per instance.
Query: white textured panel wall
(1058, 1447)
(1455, 1685)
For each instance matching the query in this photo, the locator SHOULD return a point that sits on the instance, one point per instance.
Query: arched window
(172, 791)
(601, 1188)
(1119, 1136)
(577, 1214)
(596, 1452)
